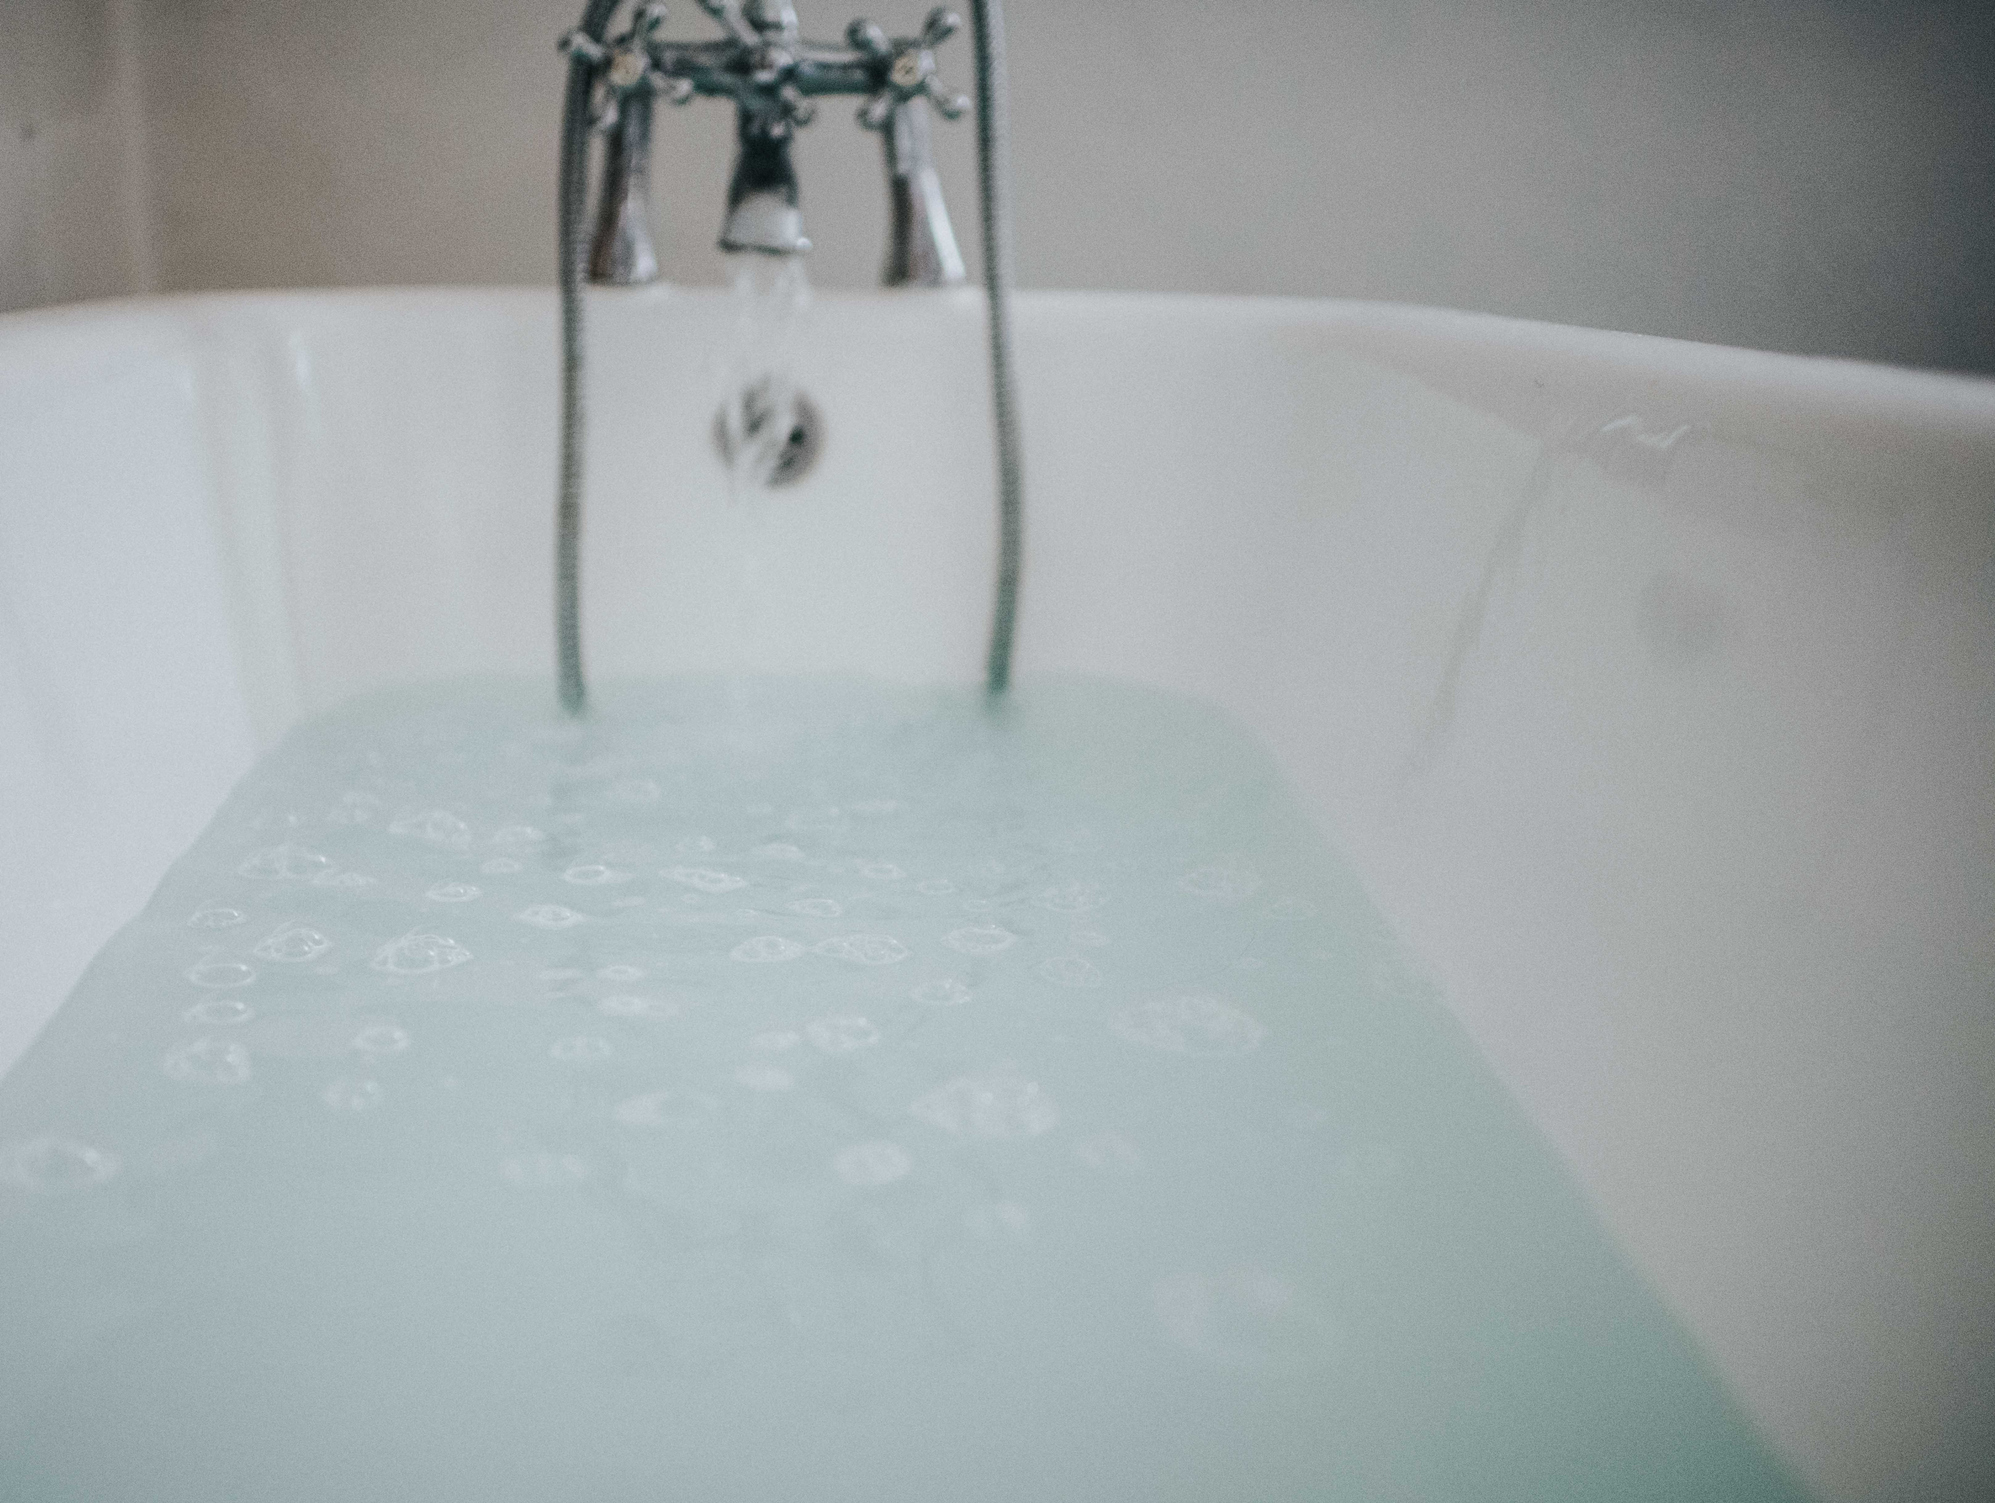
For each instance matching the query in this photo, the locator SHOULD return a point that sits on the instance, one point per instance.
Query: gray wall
(1809, 175)
(74, 217)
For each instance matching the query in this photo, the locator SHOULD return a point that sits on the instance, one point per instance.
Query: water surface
(796, 1091)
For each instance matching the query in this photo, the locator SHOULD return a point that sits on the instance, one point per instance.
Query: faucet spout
(622, 254)
(921, 243)
(762, 211)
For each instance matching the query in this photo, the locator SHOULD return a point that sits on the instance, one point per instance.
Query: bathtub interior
(1649, 686)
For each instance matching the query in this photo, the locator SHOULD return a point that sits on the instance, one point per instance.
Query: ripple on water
(452, 892)
(818, 907)
(944, 992)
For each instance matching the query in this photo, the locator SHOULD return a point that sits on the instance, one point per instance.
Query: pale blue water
(790, 1092)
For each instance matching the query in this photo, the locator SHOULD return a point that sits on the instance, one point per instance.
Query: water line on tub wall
(769, 72)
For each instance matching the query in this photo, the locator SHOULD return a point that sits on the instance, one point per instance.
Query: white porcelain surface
(1651, 685)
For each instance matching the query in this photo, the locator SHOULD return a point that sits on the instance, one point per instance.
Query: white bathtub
(1650, 685)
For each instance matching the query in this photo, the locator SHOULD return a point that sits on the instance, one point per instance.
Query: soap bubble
(947, 992)
(593, 874)
(880, 871)
(818, 907)
(418, 954)
(499, 866)
(344, 1095)
(767, 948)
(1070, 970)
(207, 1062)
(842, 1035)
(549, 916)
(219, 1012)
(704, 878)
(342, 879)
(620, 973)
(980, 939)
(865, 949)
(936, 887)
(294, 944)
(51, 1165)
(285, 863)
(990, 1106)
(381, 1038)
(452, 892)
(212, 970)
(1189, 1025)
(216, 916)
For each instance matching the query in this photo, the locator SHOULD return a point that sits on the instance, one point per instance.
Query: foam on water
(799, 1091)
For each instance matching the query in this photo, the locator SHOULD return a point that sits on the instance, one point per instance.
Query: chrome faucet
(771, 74)
(773, 77)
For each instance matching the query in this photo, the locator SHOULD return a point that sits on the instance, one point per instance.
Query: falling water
(760, 416)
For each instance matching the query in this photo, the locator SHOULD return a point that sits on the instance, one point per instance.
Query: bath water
(799, 1091)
